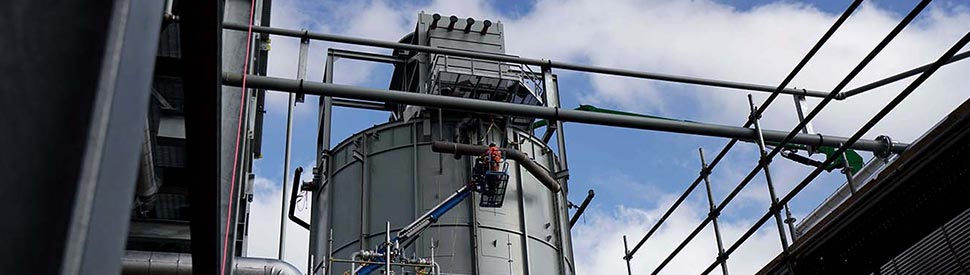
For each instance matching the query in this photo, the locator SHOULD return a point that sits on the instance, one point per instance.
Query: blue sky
(637, 174)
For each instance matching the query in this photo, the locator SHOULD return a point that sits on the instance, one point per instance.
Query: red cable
(235, 157)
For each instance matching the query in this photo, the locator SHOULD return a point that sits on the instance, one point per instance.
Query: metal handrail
(536, 90)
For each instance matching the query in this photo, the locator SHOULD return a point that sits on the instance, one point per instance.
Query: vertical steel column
(713, 214)
(387, 250)
(364, 188)
(329, 254)
(551, 90)
(508, 241)
(473, 223)
(300, 75)
(800, 106)
(81, 112)
(323, 175)
(626, 251)
(522, 216)
(765, 161)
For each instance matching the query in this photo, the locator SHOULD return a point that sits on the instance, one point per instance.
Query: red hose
(235, 156)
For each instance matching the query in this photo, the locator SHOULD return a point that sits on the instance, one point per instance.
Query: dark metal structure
(69, 163)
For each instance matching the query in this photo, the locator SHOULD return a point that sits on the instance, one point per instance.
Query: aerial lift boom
(490, 183)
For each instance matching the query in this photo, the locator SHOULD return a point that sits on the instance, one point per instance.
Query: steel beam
(364, 56)
(200, 30)
(522, 60)
(473, 105)
(73, 102)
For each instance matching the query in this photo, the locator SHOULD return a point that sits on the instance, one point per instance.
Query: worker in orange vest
(495, 156)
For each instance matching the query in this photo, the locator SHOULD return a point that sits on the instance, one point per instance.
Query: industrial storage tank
(443, 212)
(388, 173)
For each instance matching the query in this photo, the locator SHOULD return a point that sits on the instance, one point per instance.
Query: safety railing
(515, 73)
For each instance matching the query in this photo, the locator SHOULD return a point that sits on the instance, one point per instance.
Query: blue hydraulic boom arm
(407, 234)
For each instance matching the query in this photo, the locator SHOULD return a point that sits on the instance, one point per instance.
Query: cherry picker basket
(490, 183)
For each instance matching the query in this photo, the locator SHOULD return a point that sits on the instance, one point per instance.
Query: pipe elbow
(521, 158)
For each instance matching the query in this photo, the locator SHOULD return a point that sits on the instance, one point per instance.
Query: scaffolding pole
(291, 102)
(705, 173)
(865, 128)
(520, 60)
(897, 77)
(852, 74)
(765, 163)
(717, 159)
(626, 250)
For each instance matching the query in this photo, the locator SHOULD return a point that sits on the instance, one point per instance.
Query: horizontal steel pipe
(897, 77)
(520, 60)
(474, 105)
(521, 158)
(377, 106)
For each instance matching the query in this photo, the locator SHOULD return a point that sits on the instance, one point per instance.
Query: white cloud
(599, 245)
(761, 45)
(264, 227)
(692, 38)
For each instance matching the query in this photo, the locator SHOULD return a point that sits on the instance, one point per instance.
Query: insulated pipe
(147, 187)
(167, 13)
(164, 263)
(520, 60)
(451, 22)
(482, 106)
(468, 24)
(521, 158)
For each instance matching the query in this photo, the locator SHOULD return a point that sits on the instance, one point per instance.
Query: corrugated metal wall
(945, 251)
